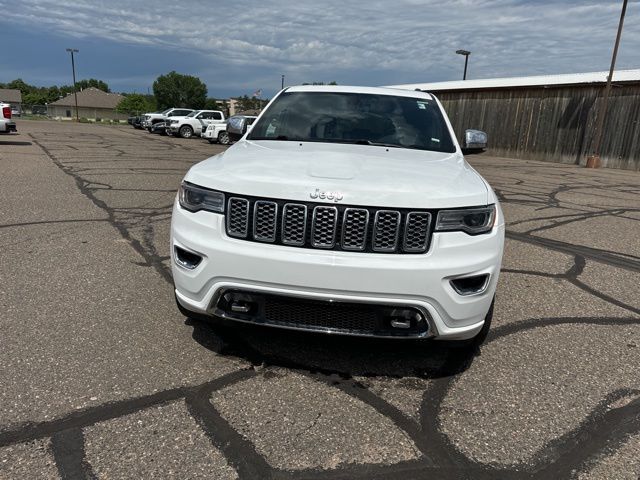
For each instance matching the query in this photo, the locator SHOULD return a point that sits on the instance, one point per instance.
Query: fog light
(473, 285)
(185, 259)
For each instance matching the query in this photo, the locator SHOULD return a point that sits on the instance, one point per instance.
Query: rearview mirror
(475, 140)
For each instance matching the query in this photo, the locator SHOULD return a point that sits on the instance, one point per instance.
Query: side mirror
(475, 140)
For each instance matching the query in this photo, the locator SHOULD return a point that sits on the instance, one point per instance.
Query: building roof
(10, 95)
(522, 82)
(90, 98)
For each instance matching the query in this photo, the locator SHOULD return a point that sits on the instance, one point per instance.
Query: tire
(186, 131)
(149, 129)
(223, 138)
(210, 140)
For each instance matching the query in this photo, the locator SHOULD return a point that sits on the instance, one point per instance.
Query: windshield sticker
(422, 105)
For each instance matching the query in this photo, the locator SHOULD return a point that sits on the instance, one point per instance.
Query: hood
(360, 174)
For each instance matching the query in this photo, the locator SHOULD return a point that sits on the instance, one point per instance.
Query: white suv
(346, 210)
(194, 123)
(6, 124)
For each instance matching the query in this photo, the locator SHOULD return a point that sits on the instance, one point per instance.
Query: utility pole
(593, 160)
(466, 54)
(73, 69)
(282, 85)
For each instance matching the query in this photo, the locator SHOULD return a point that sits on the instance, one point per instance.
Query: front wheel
(223, 138)
(186, 131)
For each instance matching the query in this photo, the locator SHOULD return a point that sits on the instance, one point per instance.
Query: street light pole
(73, 69)
(282, 86)
(466, 54)
(593, 160)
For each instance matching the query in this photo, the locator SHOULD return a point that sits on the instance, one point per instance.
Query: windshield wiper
(362, 141)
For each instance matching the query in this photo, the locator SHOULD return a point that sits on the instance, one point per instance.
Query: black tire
(149, 129)
(223, 138)
(210, 140)
(185, 131)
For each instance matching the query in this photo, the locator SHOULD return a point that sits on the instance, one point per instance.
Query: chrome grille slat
(386, 230)
(238, 217)
(294, 224)
(315, 225)
(416, 232)
(265, 218)
(355, 223)
(323, 227)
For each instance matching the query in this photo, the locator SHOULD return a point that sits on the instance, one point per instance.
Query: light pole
(466, 54)
(593, 160)
(282, 85)
(73, 69)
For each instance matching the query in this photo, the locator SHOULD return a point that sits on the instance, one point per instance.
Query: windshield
(193, 114)
(164, 112)
(368, 119)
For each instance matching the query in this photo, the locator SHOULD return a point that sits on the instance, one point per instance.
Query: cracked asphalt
(101, 377)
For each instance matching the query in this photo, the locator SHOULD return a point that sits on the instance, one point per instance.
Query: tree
(177, 90)
(92, 82)
(135, 104)
(250, 103)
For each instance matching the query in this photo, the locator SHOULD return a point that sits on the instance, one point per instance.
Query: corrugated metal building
(547, 117)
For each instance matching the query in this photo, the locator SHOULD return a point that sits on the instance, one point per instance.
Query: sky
(239, 47)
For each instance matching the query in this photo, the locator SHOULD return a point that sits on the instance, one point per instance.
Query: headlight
(469, 220)
(174, 121)
(194, 198)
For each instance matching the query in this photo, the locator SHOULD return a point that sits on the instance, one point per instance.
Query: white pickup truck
(347, 210)
(6, 125)
(194, 123)
(217, 132)
(150, 119)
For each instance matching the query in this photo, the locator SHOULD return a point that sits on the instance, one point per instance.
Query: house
(93, 104)
(547, 117)
(13, 97)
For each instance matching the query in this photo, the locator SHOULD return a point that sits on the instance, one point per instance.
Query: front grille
(329, 227)
(321, 315)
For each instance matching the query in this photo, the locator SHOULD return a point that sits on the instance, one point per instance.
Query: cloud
(376, 42)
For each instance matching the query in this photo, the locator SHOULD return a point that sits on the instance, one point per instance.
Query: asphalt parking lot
(101, 377)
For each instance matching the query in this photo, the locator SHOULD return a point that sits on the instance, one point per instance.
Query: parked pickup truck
(342, 210)
(6, 125)
(149, 119)
(194, 123)
(217, 132)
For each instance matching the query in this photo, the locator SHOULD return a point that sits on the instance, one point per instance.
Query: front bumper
(419, 281)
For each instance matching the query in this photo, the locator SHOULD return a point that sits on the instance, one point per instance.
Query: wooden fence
(553, 124)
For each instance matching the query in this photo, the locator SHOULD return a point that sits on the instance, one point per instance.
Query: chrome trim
(304, 225)
(366, 229)
(272, 238)
(406, 229)
(478, 292)
(246, 223)
(432, 331)
(313, 227)
(185, 265)
(375, 229)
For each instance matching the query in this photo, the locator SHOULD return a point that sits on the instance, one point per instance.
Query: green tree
(92, 82)
(177, 90)
(135, 104)
(250, 103)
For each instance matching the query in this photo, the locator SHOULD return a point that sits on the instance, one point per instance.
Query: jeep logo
(335, 196)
